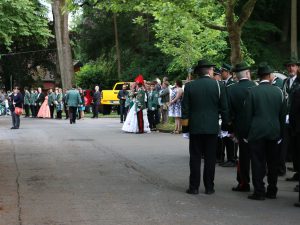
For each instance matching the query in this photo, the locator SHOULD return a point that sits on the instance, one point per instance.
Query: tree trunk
(286, 20)
(235, 44)
(63, 43)
(118, 54)
(294, 46)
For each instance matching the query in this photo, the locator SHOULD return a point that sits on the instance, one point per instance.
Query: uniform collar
(243, 79)
(264, 82)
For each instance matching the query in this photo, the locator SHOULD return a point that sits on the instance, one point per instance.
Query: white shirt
(292, 79)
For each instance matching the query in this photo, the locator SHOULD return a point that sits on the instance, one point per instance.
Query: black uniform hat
(264, 69)
(203, 63)
(292, 61)
(226, 67)
(217, 72)
(240, 67)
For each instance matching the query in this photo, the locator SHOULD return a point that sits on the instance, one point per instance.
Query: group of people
(261, 119)
(38, 105)
(147, 104)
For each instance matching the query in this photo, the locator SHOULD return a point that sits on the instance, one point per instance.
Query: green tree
(23, 18)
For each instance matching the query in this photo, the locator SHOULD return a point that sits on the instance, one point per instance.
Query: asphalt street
(91, 173)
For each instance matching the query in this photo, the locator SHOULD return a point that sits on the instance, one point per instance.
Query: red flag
(139, 79)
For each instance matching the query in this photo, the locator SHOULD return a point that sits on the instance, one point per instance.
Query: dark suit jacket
(97, 97)
(40, 99)
(237, 94)
(203, 100)
(295, 112)
(265, 111)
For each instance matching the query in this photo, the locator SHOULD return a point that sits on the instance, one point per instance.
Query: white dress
(131, 124)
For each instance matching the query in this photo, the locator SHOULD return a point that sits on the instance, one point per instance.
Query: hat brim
(236, 70)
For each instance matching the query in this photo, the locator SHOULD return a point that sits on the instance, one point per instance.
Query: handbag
(18, 111)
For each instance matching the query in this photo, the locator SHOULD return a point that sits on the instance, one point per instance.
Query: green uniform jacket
(153, 100)
(237, 94)
(278, 82)
(203, 100)
(51, 98)
(59, 97)
(289, 91)
(33, 97)
(264, 113)
(27, 98)
(140, 99)
(73, 98)
(230, 82)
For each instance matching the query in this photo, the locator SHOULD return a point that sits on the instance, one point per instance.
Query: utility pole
(294, 39)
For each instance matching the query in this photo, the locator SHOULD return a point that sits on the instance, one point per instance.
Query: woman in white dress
(131, 123)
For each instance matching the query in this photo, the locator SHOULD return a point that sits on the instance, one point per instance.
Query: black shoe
(240, 188)
(256, 197)
(71, 122)
(271, 196)
(296, 189)
(229, 164)
(12, 128)
(121, 121)
(209, 192)
(192, 191)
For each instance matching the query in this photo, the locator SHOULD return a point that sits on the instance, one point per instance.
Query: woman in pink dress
(44, 111)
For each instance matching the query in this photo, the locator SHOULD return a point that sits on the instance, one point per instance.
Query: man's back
(204, 99)
(265, 112)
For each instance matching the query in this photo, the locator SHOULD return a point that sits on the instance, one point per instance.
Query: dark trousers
(140, 120)
(58, 114)
(265, 154)
(157, 116)
(51, 110)
(243, 169)
(229, 145)
(95, 110)
(152, 119)
(15, 120)
(72, 114)
(123, 112)
(32, 109)
(202, 144)
(288, 150)
(26, 107)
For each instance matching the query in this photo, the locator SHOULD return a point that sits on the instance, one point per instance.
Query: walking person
(204, 99)
(96, 102)
(26, 101)
(264, 120)
(237, 94)
(16, 99)
(175, 105)
(122, 96)
(73, 100)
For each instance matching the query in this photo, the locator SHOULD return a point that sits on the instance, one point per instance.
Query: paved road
(90, 173)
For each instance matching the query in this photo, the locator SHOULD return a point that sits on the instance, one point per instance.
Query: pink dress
(44, 111)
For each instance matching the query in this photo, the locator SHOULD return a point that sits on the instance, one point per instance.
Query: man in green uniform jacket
(73, 100)
(33, 98)
(203, 100)
(152, 106)
(26, 101)
(228, 143)
(264, 120)
(291, 84)
(51, 99)
(237, 94)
